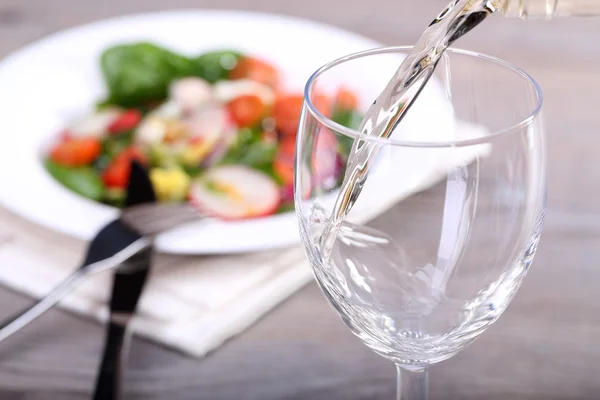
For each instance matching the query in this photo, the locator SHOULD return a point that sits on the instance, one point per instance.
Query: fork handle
(18, 321)
(21, 319)
(108, 382)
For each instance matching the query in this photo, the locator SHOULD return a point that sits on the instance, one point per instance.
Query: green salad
(217, 129)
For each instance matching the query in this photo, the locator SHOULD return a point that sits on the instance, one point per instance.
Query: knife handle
(109, 379)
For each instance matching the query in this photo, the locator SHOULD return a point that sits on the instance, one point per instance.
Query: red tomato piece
(76, 152)
(322, 103)
(284, 170)
(247, 111)
(284, 162)
(345, 99)
(287, 147)
(125, 122)
(288, 108)
(116, 175)
(256, 70)
(287, 112)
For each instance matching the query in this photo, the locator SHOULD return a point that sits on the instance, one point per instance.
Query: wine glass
(447, 222)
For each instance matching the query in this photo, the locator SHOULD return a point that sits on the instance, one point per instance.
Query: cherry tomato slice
(125, 122)
(345, 99)
(116, 175)
(286, 111)
(76, 152)
(247, 111)
(322, 103)
(284, 170)
(288, 108)
(287, 147)
(256, 70)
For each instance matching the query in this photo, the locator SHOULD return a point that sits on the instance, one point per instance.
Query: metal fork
(153, 218)
(147, 219)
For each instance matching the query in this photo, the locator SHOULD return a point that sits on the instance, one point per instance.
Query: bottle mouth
(518, 127)
(527, 9)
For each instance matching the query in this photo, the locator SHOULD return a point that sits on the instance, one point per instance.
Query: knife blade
(128, 284)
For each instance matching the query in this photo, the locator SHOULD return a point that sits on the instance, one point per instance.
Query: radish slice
(153, 128)
(169, 110)
(209, 123)
(218, 151)
(210, 128)
(191, 93)
(325, 159)
(235, 192)
(94, 124)
(225, 91)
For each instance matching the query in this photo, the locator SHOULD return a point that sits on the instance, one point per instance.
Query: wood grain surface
(544, 347)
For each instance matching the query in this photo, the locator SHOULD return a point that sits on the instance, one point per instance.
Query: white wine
(547, 9)
(387, 111)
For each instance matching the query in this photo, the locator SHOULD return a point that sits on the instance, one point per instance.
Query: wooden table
(544, 347)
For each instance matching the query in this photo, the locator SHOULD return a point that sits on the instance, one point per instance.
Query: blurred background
(544, 347)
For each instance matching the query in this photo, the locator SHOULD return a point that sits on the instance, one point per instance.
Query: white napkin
(192, 304)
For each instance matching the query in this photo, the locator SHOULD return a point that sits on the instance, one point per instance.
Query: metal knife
(128, 284)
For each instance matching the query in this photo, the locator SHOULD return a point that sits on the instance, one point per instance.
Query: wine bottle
(547, 9)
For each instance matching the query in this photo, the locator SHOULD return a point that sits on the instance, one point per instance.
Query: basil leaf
(244, 139)
(259, 154)
(216, 65)
(142, 72)
(82, 180)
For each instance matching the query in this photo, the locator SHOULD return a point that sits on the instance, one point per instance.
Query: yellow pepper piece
(170, 184)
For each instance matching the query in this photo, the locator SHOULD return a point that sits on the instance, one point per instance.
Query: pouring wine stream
(388, 110)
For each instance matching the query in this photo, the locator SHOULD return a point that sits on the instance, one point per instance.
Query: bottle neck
(531, 9)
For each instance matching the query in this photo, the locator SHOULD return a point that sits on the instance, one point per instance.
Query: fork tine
(157, 211)
(151, 227)
(146, 210)
(150, 219)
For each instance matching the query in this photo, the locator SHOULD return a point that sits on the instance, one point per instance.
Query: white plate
(49, 82)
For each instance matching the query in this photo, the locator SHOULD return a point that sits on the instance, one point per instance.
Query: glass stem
(413, 383)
